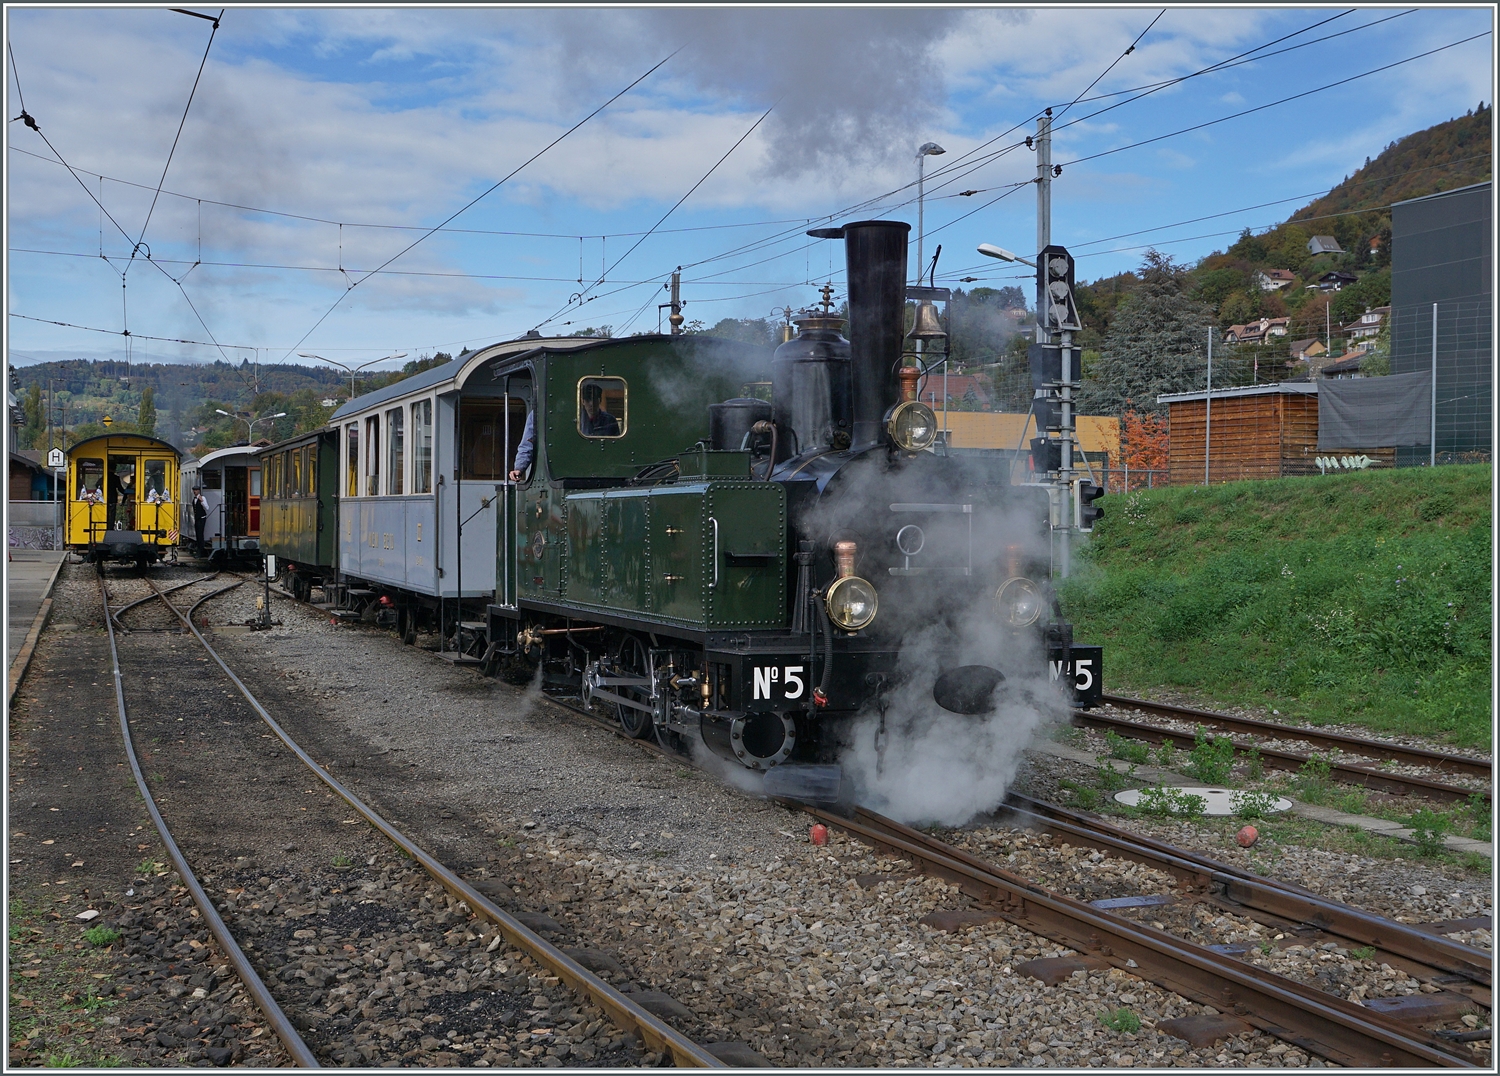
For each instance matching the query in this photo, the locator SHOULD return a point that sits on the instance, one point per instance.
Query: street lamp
(925, 150)
(989, 250)
(250, 422)
(351, 370)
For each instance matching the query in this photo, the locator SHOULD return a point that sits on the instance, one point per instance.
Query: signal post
(1056, 373)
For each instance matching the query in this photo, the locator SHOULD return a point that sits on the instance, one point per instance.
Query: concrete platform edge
(23, 658)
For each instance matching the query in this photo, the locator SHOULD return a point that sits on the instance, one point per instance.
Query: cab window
(90, 480)
(602, 405)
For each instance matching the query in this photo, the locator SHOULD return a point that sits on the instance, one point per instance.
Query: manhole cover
(1220, 801)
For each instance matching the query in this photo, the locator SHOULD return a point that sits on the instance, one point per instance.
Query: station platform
(29, 576)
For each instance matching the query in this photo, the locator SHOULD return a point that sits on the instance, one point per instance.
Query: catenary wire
(486, 194)
(151, 210)
(634, 246)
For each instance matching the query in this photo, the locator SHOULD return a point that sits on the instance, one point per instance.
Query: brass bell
(927, 326)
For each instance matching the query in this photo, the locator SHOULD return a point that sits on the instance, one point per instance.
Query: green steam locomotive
(758, 575)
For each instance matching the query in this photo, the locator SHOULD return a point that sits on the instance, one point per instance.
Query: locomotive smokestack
(875, 251)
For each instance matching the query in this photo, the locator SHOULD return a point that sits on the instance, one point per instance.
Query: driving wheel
(632, 660)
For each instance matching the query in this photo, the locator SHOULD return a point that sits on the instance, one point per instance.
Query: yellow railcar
(123, 498)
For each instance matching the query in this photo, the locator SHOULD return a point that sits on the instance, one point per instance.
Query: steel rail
(122, 610)
(1416, 756)
(1318, 1022)
(301, 1053)
(1349, 772)
(625, 1013)
(1243, 892)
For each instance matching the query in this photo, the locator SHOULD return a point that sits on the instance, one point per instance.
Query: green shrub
(1166, 755)
(1122, 1021)
(1253, 804)
(1171, 801)
(1364, 952)
(101, 936)
(1427, 829)
(1084, 797)
(1255, 766)
(1111, 780)
(1314, 774)
(1125, 749)
(1212, 757)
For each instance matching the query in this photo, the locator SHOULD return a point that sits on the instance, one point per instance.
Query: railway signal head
(1054, 271)
(1089, 512)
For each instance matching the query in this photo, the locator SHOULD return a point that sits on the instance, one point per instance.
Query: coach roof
(451, 376)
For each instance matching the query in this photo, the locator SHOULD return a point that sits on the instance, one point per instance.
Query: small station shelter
(1255, 431)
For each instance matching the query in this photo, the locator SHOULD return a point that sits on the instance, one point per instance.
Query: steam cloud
(918, 762)
(852, 89)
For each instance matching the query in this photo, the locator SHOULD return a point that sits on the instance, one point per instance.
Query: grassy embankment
(1360, 598)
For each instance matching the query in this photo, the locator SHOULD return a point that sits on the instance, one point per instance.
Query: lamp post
(250, 422)
(351, 370)
(925, 150)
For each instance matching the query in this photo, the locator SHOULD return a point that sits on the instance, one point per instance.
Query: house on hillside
(1324, 244)
(1332, 281)
(1274, 279)
(1367, 324)
(1307, 349)
(1256, 332)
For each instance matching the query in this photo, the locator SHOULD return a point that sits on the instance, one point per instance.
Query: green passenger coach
(299, 511)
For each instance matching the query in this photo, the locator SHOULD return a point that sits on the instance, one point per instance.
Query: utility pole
(1043, 201)
(1208, 403)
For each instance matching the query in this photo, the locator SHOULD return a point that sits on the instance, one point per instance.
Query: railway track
(625, 1013)
(1381, 780)
(1300, 1013)
(1245, 995)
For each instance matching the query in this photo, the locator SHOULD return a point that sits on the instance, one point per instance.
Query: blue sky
(380, 123)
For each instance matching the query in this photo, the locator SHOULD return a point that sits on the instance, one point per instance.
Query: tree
(1156, 345)
(146, 424)
(36, 421)
(1144, 442)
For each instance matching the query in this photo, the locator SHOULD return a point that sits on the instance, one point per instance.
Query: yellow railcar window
(296, 474)
(90, 480)
(155, 486)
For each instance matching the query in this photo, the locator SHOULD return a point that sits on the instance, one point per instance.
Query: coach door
(252, 503)
(236, 502)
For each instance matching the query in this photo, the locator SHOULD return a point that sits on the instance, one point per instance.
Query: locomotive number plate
(1084, 673)
(776, 686)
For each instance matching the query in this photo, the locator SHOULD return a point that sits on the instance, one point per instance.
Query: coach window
(296, 490)
(351, 442)
(421, 446)
(372, 456)
(310, 469)
(212, 478)
(602, 403)
(90, 479)
(395, 439)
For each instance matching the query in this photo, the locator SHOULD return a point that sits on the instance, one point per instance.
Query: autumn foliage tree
(1144, 442)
